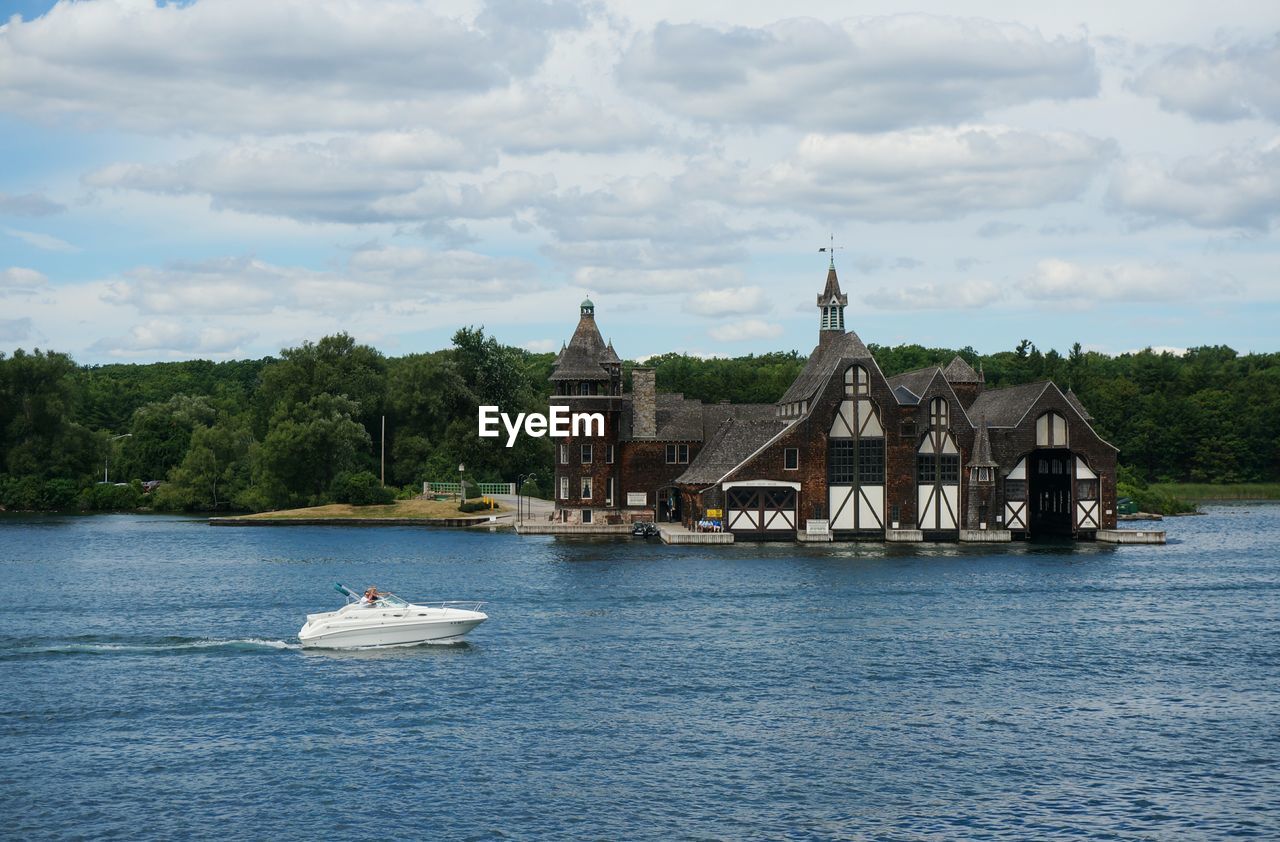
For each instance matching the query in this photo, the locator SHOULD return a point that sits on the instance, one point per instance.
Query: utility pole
(106, 464)
(384, 451)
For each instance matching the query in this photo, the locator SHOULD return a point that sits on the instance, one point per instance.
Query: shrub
(478, 506)
(106, 497)
(360, 488)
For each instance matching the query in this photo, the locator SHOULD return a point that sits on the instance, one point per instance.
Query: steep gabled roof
(822, 364)
(832, 290)
(915, 382)
(959, 371)
(736, 441)
(1075, 401)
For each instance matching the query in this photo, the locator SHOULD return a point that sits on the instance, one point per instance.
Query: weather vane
(831, 249)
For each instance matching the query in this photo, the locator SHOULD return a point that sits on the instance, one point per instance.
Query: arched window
(856, 381)
(1051, 430)
(938, 419)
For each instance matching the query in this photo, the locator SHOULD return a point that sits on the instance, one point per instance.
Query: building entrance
(1049, 491)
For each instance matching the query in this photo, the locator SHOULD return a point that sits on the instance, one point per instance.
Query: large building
(847, 452)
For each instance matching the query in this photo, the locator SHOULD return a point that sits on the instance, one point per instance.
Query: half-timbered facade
(845, 452)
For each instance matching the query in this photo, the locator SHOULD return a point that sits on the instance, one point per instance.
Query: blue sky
(224, 179)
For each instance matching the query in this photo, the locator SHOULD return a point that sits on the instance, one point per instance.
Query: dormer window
(856, 381)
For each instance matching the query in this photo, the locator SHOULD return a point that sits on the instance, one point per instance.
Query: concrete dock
(674, 533)
(1131, 536)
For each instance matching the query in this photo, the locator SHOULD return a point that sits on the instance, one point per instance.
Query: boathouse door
(761, 511)
(1050, 473)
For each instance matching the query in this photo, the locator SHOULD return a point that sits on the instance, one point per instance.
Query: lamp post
(520, 481)
(462, 491)
(106, 462)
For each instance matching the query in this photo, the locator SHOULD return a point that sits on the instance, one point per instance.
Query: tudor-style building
(846, 451)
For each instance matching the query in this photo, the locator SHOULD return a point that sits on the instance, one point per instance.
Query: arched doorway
(670, 506)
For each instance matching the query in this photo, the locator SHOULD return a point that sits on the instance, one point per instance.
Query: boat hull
(354, 631)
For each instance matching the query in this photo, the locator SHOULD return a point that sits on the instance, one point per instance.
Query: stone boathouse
(846, 453)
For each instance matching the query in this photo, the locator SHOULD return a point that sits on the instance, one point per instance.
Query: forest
(306, 427)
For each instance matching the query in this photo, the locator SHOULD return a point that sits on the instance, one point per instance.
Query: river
(152, 686)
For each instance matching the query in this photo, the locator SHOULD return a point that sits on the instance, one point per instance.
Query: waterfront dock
(674, 533)
(1131, 536)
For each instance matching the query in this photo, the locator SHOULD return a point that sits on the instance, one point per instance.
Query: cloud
(1228, 82)
(966, 295)
(15, 330)
(1057, 280)
(654, 280)
(45, 242)
(869, 74)
(919, 175)
(727, 302)
(28, 204)
(361, 63)
(390, 277)
(1231, 188)
(541, 346)
(745, 330)
(18, 279)
(386, 176)
(174, 337)
(996, 228)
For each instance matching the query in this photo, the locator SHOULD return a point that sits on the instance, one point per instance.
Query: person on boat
(370, 596)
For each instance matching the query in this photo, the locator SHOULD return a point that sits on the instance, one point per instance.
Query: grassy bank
(1233, 491)
(398, 509)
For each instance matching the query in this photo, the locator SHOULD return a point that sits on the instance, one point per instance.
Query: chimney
(644, 404)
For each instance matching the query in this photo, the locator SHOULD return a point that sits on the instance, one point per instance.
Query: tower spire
(831, 301)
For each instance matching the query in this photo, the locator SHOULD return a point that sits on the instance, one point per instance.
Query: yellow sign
(715, 513)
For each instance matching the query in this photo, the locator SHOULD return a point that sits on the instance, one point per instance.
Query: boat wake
(18, 648)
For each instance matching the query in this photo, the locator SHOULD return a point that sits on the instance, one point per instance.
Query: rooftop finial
(832, 250)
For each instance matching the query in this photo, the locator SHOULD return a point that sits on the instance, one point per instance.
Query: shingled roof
(1075, 401)
(822, 364)
(736, 440)
(915, 382)
(982, 448)
(582, 358)
(1006, 407)
(959, 371)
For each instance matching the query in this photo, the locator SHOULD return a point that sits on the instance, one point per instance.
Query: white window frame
(586, 516)
(586, 454)
(786, 454)
(585, 487)
(608, 454)
(608, 491)
(564, 454)
(564, 488)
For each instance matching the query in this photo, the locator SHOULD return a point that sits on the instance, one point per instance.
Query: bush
(360, 488)
(105, 497)
(478, 506)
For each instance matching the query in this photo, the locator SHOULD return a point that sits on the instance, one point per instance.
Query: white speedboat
(389, 621)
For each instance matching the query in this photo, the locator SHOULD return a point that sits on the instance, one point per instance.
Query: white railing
(455, 488)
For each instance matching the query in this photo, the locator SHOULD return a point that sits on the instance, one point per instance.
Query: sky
(221, 179)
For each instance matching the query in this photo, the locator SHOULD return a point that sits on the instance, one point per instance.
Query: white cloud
(45, 242)
(174, 338)
(919, 175)
(244, 66)
(28, 204)
(541, 346)
(1228, 82)
(610, 279)
(1057, 280)
(868, 74)
(1229, 188)
(379, 177)
(18, 278)
(745, 331)
(15, 330)
(964, 295)
(734, 301)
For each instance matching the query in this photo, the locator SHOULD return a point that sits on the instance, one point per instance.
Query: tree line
(305, 427)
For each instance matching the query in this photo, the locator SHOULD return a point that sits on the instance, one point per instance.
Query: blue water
(151, 686)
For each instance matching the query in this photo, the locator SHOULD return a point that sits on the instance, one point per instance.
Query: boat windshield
(392, 600)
